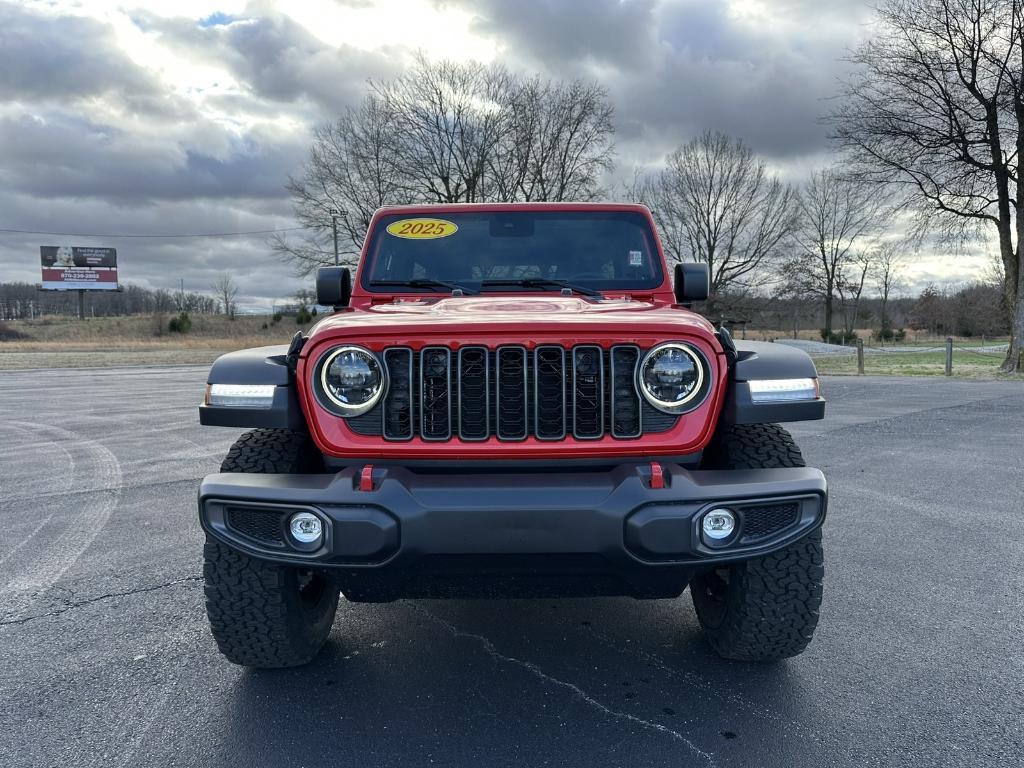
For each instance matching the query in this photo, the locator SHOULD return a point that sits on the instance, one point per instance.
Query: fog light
(718, 525)
(305, 527)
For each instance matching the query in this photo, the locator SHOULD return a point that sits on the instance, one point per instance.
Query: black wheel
(764, 609)
(262, 614)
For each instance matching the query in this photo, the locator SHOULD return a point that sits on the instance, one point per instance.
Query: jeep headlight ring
(672, 377)
(351, 381)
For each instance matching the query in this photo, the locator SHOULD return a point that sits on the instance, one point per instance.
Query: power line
(112, 237)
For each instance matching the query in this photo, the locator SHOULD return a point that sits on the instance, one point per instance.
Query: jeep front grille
(550, 393)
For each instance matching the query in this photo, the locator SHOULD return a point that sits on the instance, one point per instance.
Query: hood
(504, 315)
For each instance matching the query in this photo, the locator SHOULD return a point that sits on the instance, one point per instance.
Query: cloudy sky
(186, 117)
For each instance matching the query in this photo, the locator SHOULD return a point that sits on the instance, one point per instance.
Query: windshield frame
(363, 284)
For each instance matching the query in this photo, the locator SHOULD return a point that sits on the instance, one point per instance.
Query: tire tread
(773, 602)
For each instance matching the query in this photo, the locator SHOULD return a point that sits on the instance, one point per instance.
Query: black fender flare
(761, 360)
(269, 366)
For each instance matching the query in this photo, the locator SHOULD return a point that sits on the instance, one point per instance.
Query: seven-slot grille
(475, 393)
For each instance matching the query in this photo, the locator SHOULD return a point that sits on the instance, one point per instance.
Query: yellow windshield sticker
(422, 229)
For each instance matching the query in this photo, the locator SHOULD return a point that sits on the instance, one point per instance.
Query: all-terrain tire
(262, 614)
(764, 609)
(273, 451)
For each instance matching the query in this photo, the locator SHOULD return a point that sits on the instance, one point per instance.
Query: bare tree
(447, 132)
(448, 119)
(888, 276)
(838, 217)
(715, 202)
(351, 170)
(937, 108)
(850, 287)
(226, 291)
(558, 144)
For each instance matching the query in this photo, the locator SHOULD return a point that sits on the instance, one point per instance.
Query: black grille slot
(763, 521)
(511, 393)
(588, 392)
(549, 392)
(436, 393)
(265, 525)
(398, 412)
(625, 398)
(474, 386)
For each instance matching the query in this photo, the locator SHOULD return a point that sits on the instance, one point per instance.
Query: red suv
(512, 400)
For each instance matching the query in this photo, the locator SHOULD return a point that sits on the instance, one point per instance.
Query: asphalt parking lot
(106, 660)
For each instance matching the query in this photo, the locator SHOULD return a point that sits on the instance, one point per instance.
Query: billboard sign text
(71, 268)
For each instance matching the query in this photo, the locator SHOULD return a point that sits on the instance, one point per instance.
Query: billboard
(68, 268)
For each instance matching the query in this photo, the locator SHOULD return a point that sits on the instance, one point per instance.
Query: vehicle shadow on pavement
(513, 681)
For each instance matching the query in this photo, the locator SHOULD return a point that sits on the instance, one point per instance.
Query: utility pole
(334, 229)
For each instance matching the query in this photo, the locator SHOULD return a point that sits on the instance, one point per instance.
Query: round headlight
(671, 376)
(352, 380)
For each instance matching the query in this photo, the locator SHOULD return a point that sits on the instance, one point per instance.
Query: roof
(506, 207)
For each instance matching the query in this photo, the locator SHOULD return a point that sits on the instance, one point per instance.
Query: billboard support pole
(81, 304)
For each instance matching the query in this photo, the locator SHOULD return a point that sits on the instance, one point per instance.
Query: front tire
(262, 614)
(766, 608)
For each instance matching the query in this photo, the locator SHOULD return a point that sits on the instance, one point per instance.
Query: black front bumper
(606, 531)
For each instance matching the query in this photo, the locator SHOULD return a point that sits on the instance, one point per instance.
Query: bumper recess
(613, 516)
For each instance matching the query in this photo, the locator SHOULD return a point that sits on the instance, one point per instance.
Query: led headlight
(352, 380)
(671, 377)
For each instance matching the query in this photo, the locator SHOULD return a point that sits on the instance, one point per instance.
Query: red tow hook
(657, 476)
(366, 478)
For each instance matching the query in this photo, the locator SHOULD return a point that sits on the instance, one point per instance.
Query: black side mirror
(693, 282)
(333, 286)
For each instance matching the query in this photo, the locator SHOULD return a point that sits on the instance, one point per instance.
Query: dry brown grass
(135, 340)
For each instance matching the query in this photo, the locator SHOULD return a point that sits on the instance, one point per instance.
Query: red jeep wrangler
(512, 400)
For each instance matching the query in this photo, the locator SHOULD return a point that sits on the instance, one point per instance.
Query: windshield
(603, 250)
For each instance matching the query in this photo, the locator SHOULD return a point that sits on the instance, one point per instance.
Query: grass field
(972, 365)
(64, 342)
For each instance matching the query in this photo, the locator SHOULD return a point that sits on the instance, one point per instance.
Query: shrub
(265, 326)
(10, 334)
(275, 318)
(889, 334)
(180, 324)
(838, 337)
(303, 316)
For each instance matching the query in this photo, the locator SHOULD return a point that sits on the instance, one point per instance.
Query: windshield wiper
(424, 282)
(544, 283)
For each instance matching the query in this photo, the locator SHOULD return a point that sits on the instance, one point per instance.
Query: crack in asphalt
(579, 692)
(99, 598)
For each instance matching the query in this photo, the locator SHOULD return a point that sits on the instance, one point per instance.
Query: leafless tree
(838, 217)
(448, 118)
(351, 170)
(850, 287)
(715, 202)
(558, 142)
(226, 291)
(937, 108)
(888, 271)
(447, 132)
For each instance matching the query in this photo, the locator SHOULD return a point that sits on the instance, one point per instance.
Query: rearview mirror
(693, 282)
(333, 287)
